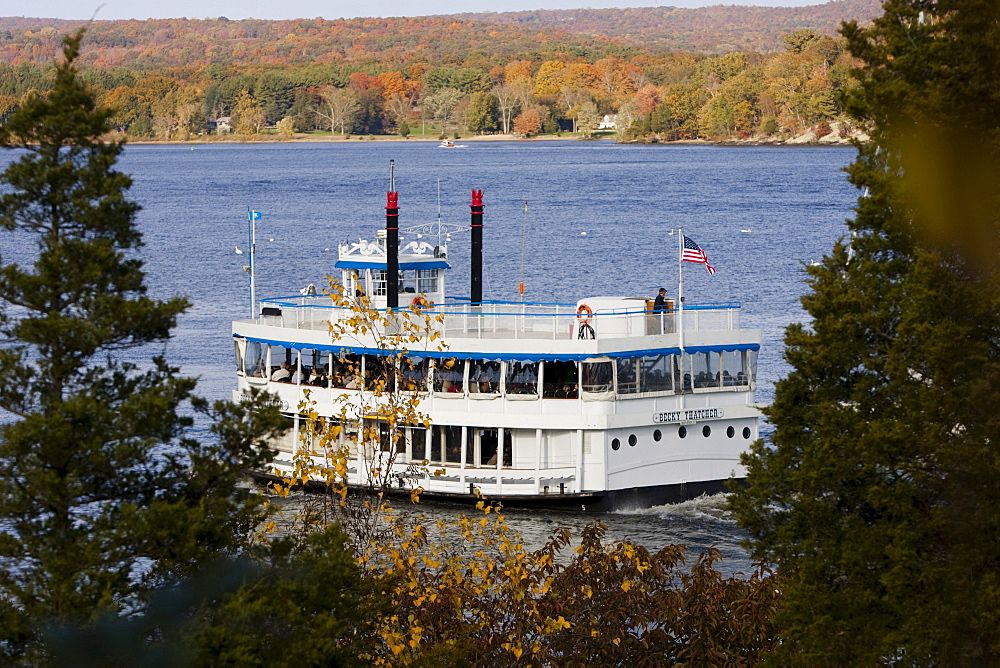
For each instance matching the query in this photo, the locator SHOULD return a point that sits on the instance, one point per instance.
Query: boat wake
(703, 509)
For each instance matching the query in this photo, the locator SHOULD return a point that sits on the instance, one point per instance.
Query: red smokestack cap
(477, 198)
(392, 200)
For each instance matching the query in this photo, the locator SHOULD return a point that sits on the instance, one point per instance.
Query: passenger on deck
(660, 303)
(282, 374)
(297, 376)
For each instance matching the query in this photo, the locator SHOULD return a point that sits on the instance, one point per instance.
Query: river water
(598, 222)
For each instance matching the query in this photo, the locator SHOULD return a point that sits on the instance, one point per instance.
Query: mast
(392, 241)
(477, 248)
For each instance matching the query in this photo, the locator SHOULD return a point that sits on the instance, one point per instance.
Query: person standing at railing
(660, 303)
(660, 307)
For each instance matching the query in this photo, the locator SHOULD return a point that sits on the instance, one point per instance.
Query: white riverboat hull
(610, 449)
(610, 402)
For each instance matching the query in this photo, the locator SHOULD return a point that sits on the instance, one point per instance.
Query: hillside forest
(506, 73)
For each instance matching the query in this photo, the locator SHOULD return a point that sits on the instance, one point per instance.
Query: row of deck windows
(439, 444)
(481, 378)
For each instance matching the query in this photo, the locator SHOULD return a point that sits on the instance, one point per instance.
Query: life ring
(420, 302)
(584, 313)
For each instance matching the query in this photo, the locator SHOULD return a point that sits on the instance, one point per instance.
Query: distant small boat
(746, 230)
(447, 143)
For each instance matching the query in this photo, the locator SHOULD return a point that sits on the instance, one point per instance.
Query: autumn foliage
(470, 591)
(740, 72)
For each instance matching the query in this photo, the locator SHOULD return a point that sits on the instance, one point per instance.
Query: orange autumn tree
(528, 122)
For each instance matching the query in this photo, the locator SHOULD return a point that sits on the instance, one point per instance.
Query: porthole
(615, 444)
(746, 432)
(657, 435)
(706, 431)
(632, 440)
(730, 432)
(682, 432)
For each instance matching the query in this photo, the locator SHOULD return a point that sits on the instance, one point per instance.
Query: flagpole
(680, 287)
(252, 234)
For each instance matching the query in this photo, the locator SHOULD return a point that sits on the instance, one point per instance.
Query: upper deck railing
(516, 320)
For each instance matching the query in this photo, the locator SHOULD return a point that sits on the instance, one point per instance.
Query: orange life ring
(420, 302)
(584, 313)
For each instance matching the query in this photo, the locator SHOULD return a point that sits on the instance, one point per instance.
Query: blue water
(624, 198)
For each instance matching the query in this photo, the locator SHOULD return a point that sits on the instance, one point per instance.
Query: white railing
(512, 320)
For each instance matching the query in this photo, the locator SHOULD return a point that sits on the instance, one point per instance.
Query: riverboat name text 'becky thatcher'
(691, 415)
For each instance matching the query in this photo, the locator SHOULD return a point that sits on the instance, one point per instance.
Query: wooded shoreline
(800, 140)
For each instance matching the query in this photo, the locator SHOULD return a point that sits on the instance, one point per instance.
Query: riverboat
(604, 403)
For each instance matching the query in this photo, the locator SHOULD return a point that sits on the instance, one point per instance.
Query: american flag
(694, 253)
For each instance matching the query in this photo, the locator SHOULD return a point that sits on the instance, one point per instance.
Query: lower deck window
(255, 361)
(449, 375)
(484, 376)
(413, 374)
(522, 378)
(418, 444)
(561, 380)
(346, 372)
(598, 376)
(452, 443)
(391, 440)
(490, 447)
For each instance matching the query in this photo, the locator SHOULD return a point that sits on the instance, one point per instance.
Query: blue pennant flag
(255, 215)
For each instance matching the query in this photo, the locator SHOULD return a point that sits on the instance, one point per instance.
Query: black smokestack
(477, 247)
(392, 250)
